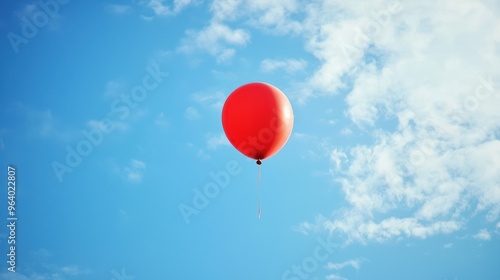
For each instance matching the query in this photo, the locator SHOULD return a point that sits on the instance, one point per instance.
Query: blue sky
(111, 114)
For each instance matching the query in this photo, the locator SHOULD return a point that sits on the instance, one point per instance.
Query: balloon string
(258, 189)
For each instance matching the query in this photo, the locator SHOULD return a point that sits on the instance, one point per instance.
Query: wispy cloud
(40, 254)
(215, 141)
(335, 277)
(483, 235)
(314, 147)
(346, 131)
(47, 126)
(134, 170)
(75, 270)
(213, 100)
(161, 120)
(14, 276)
(161, 9)
(147, 18)
(273, 16)
(288, 65)
(199, 152)
(225, 9)
(116, 124)
(113, 89)
(50, 269)
(191, 113)
(202, 154)
(337, 157)
(306, 227)
(220, 40)
(434, 169)
(354, 263)
(310, 227)
(215, 39)
(43, 124)
(119, 9)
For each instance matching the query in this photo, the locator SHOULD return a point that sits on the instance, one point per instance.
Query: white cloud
(95, 124)
(41, 254)
(316, 148)
(120, 126)
(225, 55)
(14, 276)
(274, 16)
(113, 89)
(74, 270)
(213, 100)
(147, 18)
(306, 227)
(355, 263)
(133, 176)
(43, 124)
(161, 120)
(337, 157)
(47, 125)
(225, 9)
(215, 39)
(202, 154)
(161, 9)
(137, 164)
(448, 245)
(288, 65)
(215, 141)
(191, 113)
(115, 124)
(429, 67)
(345, 131)
(483, 235)
(55, 272)
(339, 39)
(119, 9)
(134, 170)
(335, 277)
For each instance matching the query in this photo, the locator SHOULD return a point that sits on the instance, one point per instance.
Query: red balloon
(257, 119)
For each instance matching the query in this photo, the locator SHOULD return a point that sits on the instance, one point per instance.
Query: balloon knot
(259, 162)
